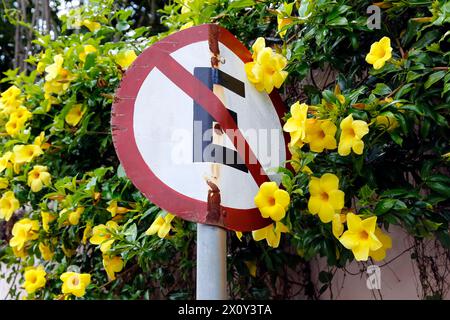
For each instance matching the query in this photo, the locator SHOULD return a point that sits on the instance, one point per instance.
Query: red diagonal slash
(200, 93)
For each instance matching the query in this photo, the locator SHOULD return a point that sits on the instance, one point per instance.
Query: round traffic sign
(193, 134)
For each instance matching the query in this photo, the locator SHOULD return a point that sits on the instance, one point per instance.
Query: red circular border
(125, 144)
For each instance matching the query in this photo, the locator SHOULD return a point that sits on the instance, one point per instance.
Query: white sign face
(196, 131)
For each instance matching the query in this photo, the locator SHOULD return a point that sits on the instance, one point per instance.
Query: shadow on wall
(398, 279)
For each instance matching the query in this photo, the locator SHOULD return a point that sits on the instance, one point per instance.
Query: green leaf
(439, 178)
(404, 90)
(399, 205)
(325, 286)
(286, 181)
(121, 172)
(399, 192)
(433, 78)
(131, 233)
(384, 206)
(122, 26)
(396, 138)
(90, 61)
(446, 88)
(325, 277)
(240, 4)
(444, 238)
(431, 225)
(339, 21)
(285, 171)
(411, 76)
(412, 107)
(305, 9)
(425, 127)
(381, 89)
(439, 187)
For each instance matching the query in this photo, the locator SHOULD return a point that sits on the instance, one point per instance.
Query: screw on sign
(193, 134)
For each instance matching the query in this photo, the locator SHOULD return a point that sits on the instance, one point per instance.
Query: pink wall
(399, 279)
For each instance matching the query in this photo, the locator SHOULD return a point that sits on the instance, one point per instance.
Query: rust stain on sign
(214, 208)
(214, 213)
(213, 42)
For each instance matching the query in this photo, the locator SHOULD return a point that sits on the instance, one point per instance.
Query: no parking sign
(193, 134)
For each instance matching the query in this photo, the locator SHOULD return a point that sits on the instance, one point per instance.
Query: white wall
(3, 285)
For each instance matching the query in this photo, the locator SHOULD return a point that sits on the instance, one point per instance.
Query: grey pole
(211, 263)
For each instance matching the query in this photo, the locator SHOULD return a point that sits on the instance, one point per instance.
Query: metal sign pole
(211, 240)
(211, 263)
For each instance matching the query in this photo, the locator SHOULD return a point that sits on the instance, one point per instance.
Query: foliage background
(402, 177)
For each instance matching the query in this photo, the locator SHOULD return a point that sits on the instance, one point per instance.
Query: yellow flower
(161, 226)
(4, 183)
(6, 161)
(284, 17)
(102, 235)
(87, 49)
(296, 124)
(24, 230)
(388, 123)
(17, 120)
(47, 218)
(272, 234)
(91, 25)
(271, 201)
(389, 100)
(114, 209)
(112, 265)
(40, 67)
(8, 204)
(282, 22)
(386, 242)
(16, 165)
(55, 69)
(10, 99)
(320, 135)
(75, 114)
(266, 71)
(352, 132)
(21, 113)
(55, 87)
(337, 93)
(40, 141)
(38, 177)
(380, 52)
(74, 216)
(87, 233)
(22, 253)
(26, 153)
(326, 198)
(258, 46)
(360, 236)
(46, 252)
(75, 283)
(251, 266)
(14, 126)
(34, 279)
(125, 58)
(337, 225)
(68, 252)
